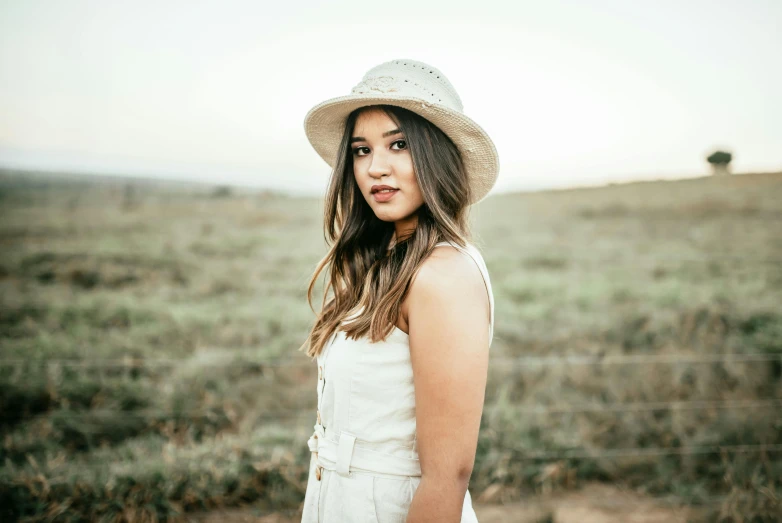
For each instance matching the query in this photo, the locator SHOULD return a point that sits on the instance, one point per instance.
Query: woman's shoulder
(469, 246)
(447, 269)
(470, 249)
(448, 279)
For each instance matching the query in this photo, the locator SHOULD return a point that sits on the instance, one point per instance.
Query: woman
(402, 344)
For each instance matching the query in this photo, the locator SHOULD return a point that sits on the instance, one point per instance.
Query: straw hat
(422, 89)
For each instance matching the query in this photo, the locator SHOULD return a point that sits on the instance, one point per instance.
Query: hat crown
(410, 78)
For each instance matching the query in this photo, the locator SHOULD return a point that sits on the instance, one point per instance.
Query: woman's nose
(379, 165)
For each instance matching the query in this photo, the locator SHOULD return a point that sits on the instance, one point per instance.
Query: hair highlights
(367, 281)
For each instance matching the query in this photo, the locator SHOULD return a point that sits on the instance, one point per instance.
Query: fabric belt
(343, 452)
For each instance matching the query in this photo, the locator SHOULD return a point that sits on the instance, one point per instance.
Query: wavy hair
(368, 281)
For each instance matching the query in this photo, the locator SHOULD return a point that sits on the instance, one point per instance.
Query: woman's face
(381, 158)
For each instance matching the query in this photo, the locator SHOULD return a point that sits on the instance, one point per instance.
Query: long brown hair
(364, 276)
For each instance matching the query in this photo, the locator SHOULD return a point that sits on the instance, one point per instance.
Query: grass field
(149, 332)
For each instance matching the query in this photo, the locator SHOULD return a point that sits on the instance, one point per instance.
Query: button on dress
(364, 465)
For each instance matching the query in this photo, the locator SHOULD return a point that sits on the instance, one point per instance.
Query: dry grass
(135, 320)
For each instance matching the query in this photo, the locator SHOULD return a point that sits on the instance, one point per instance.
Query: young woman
(402, 343)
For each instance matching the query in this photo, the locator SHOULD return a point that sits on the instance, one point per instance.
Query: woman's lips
(384, 196)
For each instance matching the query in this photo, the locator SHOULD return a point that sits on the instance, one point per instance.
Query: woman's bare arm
(448, 317)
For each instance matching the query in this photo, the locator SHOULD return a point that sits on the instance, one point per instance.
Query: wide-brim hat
(420, 88)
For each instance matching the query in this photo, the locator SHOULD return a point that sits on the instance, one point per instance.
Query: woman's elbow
(464, 473)
(458, 476)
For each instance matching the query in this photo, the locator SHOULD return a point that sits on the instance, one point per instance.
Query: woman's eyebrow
(385, 134)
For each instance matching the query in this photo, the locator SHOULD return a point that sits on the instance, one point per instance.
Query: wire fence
(651, 406)
(164, 415)
(521, 453)
(631, 359)
(294, 413)
(305, 417)
(503, 361)
(642, 452)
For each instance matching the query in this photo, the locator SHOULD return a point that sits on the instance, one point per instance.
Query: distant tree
(720, 162)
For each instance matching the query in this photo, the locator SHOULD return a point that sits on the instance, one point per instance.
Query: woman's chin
(393, 213)
(386, 212)
(387, 216)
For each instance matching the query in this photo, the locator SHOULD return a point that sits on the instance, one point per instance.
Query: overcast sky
(573, 93)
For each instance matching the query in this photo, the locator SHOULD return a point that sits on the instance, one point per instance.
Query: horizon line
(162, 178)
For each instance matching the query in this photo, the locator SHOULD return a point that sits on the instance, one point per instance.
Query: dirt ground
(595, 503)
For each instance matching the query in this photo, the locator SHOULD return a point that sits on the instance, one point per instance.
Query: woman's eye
(403, 144)
(357, 150)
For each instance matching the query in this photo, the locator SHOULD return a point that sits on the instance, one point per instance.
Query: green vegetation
(720, 162)
(149, 335)
(720, 157)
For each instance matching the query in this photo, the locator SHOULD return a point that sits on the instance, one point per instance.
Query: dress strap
(475, 254)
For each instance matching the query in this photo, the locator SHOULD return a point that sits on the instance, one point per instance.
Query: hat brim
(324, 126)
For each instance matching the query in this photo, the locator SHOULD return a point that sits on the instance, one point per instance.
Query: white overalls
(364, 465)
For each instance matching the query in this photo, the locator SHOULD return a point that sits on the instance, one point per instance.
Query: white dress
(364, 465)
